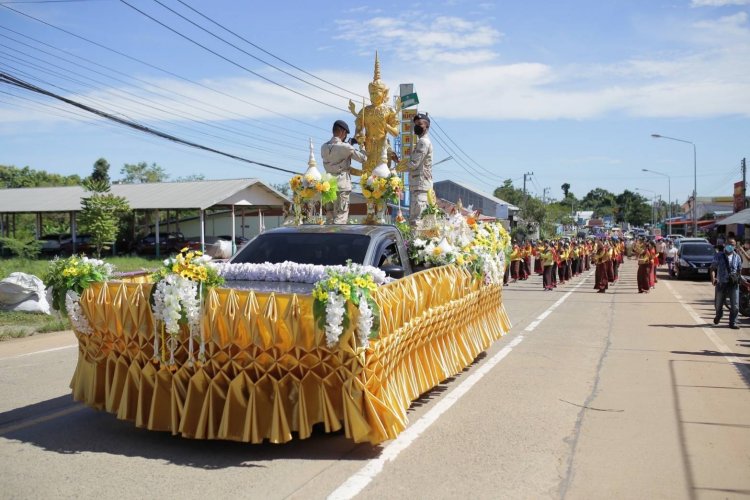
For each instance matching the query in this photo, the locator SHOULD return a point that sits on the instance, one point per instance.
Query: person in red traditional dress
(644, 266)
(515, 263)
(601, 283)
(654, 262)
(537, 249)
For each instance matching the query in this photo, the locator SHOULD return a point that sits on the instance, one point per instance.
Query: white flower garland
(173, 295)
(293, 272)
(75, 313)
(364, 323)
(334, 318)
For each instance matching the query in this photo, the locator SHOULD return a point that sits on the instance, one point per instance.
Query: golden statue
(375, 121)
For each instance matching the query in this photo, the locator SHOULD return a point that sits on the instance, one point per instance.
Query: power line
(230, 61)
(162, 70)
(269, 53)
(263, 125)
(135, 98)
(248, 53)
(10, 80)
(460, 149)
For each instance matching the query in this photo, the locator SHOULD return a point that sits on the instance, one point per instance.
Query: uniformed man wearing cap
(419, 166)
(337, 157)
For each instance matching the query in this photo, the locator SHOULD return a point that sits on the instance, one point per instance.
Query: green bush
(25, 249)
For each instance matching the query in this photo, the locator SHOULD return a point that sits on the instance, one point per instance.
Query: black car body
(694, 260)
(168, 243)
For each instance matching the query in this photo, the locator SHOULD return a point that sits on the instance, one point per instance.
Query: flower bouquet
(180, 285)
(68, 278)
(74, 274)
(332, 297)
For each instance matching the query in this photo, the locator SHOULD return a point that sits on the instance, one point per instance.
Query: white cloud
(442, 39)
(718, 3)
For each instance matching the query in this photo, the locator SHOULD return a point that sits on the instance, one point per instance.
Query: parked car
(694, 259)
(83, 245)
(680, 241)
(51, 243)
(168, 243)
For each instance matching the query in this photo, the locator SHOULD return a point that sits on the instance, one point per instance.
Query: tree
(101, 211)
(283, 188)
(142, 172)
(601, 201)
(191, 178)
(101, 171)
(565, 189)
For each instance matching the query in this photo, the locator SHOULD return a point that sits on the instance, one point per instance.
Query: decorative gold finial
(311, 161)
(312, 171)
(376, 75)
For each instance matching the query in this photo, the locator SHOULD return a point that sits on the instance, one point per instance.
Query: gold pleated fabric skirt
(268, 373)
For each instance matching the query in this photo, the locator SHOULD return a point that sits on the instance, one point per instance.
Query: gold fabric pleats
(268, 372)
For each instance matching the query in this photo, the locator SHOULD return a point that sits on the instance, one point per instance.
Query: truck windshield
(328, 249)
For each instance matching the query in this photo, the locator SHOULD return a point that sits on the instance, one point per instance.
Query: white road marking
(358, 481)
(29, 423)
(720, 345)
(40, 352)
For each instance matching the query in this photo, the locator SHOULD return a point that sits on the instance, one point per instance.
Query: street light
(695, 178)
(653, 201)
(669, 196)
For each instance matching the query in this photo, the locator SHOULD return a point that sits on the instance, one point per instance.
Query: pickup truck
(260, 368)
(379, 246)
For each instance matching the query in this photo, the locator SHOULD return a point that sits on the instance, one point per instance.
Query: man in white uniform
(419, 166)
(337, 157)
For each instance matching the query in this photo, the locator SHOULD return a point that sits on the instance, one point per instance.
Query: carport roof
(162, 195)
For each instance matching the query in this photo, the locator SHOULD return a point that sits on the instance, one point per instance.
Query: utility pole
(527, 174)
(743, 165)
(544, 195)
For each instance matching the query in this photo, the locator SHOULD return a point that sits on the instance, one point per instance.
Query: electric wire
(125, 115)
(269, 53)
(88, 120)
(205, 30)
(162, 70)
(230, 61)
(459, 147)
(166, 92)
(137, 99)
(10, 80)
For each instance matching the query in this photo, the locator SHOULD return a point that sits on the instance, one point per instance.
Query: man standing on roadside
(725, 276)
(337, 157)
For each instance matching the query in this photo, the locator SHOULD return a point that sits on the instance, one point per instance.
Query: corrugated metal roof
(482, 194)
(162, 195)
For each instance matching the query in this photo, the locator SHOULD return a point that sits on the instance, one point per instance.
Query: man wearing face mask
(725, 276)
(419, 166)
(337, 157)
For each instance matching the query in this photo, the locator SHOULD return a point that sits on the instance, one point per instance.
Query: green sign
(409, 100)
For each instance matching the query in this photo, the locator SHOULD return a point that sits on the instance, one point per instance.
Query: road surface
(623, 395)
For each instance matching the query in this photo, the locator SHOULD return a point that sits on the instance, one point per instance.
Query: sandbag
(23, 292)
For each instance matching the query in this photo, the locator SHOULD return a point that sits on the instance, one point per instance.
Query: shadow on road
(58, 425)
(706, 352)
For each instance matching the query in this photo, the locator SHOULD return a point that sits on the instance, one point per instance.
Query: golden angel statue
(374, 121)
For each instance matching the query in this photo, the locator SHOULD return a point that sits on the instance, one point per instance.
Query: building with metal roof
(193, 195)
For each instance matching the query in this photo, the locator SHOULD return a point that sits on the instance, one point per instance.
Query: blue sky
(570, 91)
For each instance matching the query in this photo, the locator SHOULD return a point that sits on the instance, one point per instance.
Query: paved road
(620, 394)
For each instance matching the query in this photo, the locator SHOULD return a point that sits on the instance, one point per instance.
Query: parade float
(187, 350)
